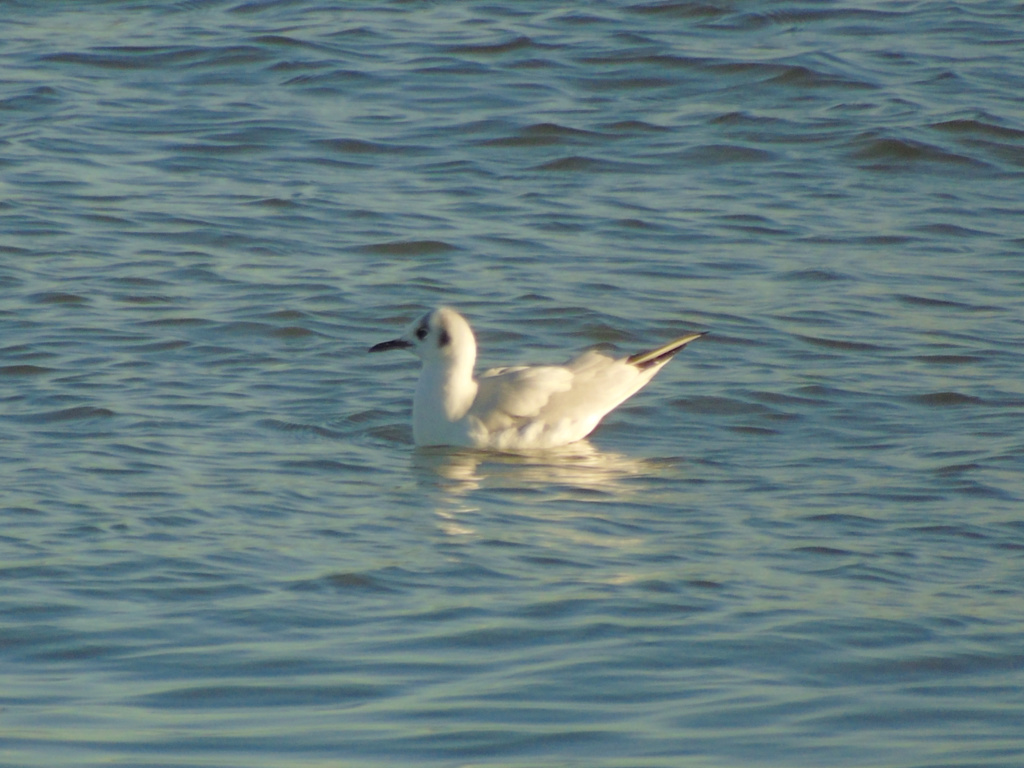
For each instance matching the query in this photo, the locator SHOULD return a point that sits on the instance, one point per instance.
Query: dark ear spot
(443, 339)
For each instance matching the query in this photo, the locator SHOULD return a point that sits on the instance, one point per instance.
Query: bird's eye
(421, 332)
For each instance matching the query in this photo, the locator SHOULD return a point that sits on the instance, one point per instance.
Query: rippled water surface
(803, 544)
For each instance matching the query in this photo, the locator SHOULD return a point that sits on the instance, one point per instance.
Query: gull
(514, 408)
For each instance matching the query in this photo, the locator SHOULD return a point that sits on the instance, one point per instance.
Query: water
(802, 545)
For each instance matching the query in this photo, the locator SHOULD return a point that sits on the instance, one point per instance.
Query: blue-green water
(803, 544)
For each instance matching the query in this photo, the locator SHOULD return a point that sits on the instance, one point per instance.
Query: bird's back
(548, 405)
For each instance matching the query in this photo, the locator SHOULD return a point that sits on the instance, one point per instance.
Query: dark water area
(801, 545)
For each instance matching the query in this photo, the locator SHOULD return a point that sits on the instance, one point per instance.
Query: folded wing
(556, 404)
(562, 399)
(510, 396)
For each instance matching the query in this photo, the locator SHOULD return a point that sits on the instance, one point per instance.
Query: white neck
(444, 393)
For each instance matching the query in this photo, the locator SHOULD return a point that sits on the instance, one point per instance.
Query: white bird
(519, 407)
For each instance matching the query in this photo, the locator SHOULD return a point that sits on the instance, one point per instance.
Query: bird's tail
(645, 360)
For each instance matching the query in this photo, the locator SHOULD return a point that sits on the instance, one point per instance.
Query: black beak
(384, 346)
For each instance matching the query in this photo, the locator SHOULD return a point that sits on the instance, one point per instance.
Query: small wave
(658, 60)
(580, 163)
(273, 202)
(635, 127)
(626, 82)
(683, 10)
(324, 465)
(291, 332)
(954, 470)
(288, 426)
(177, 322)
(951, 230)
(724, 154)
(24, 370)
(897, 154)
(943, 399)
(342, 582)
(32, 99)
(57, 297)
(493, 49)
(977, 128)
(388, 579)
(232, 55)
(839, 344)
(754, 224)
(78, 413)
(823, 551)
(147, 299)
(284, 41)
(408, 248)
(328, 81)
(745, 119)
(803, 77)
(949, 359)
(128, 57)
(215, 148)
(925, 301)
(746, 429)
(251, 695)
(542, 135)
(815, 275)
(726, 406)
(363, 147)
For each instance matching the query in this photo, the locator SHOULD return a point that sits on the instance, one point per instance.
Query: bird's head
(441, 336)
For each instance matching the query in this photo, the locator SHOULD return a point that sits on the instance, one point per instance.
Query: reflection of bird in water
(516, 408)
(579, 466)
(456, 477)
